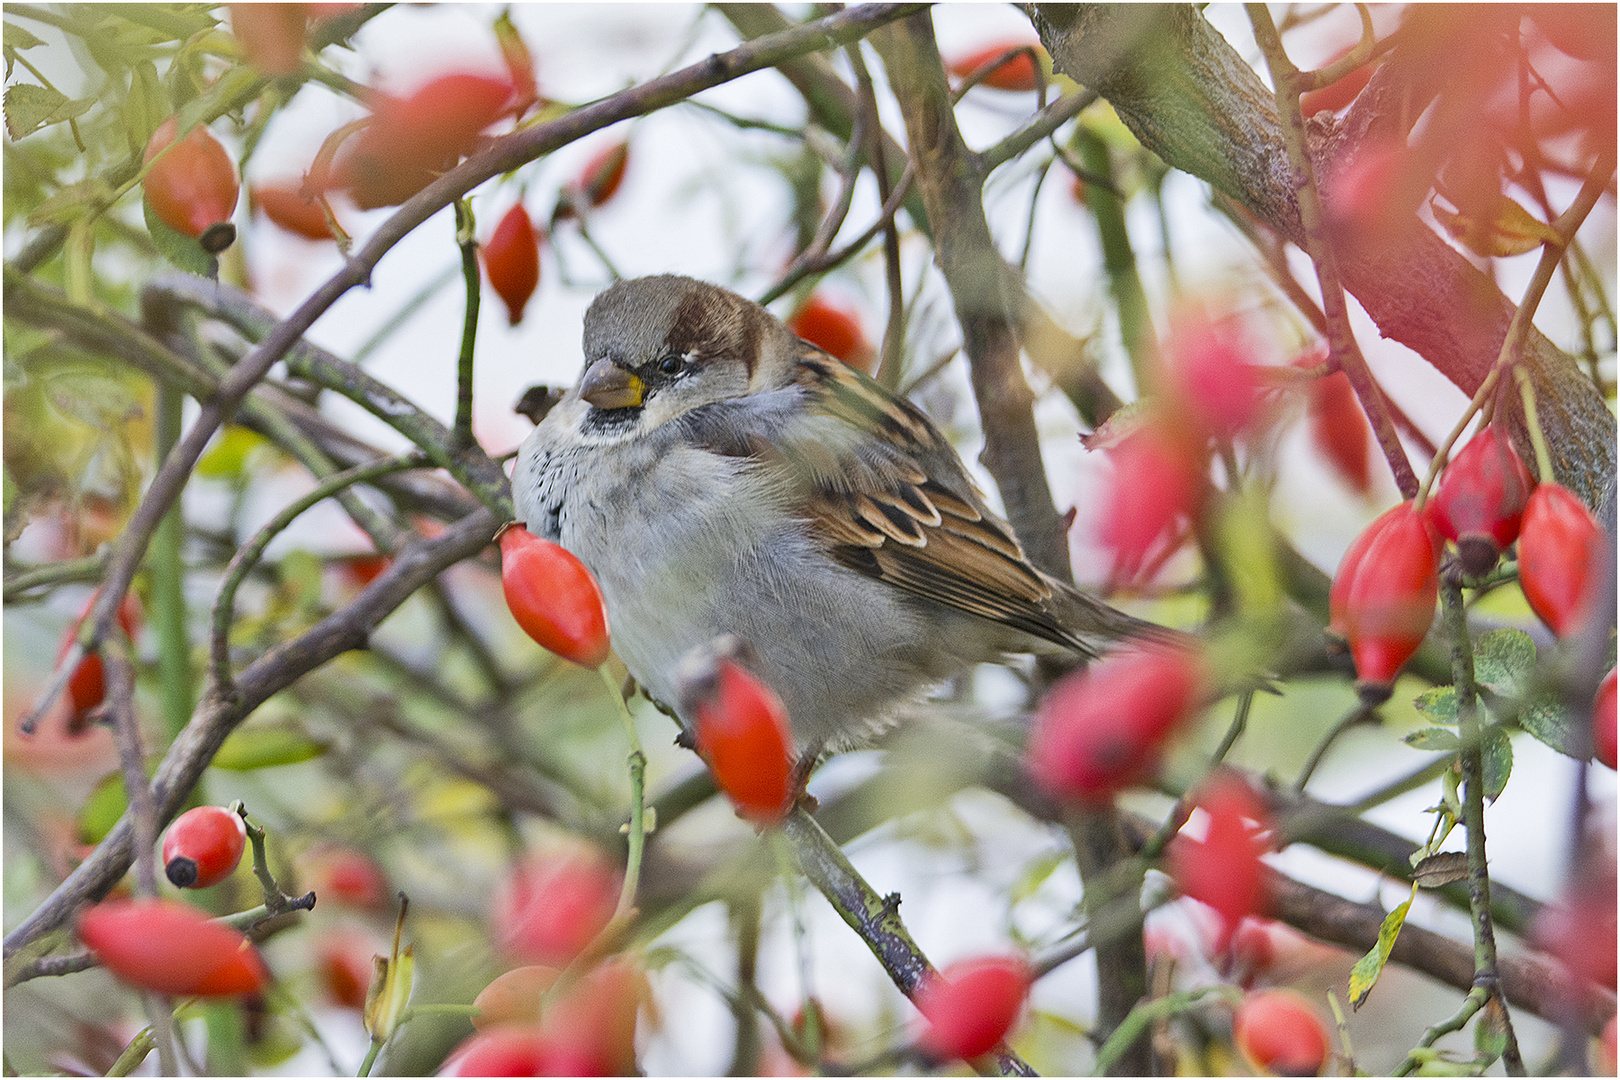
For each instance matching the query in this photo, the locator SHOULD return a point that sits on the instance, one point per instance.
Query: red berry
(1336, 95)
(346, 876)
(514, 997)
(602, 175)
(512, 261)
(743, 733)
(271, 35)
(412, 140)
(1603, 721)
(1579, 929)
(1210, 378)
(1224, 869)
(971, 1005)
(87, 685)
(192, 189)
(507, 1050)
(172, 948)
(553, 597)
(551, 907)
(832, 328)
(203, 846)
(1383, 596)
(1559, 545)
(286, 206)
(591, 1027)
(1339, 430)
(1017, 73)
(1157, 482)
(1281, 1032)
(345, 965)
(1481, 499)
(1101, 729)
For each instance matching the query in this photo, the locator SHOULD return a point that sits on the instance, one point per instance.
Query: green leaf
(1545, 717)
(103, 807)
(265, 747)
(1438, 703)
(181, 250)
(228, 455)
(1365, 974)
(1496, 751)
(29, 108)
(1433, 738)
(18, 38)
(1504, 661)
(1490, 1032)
(146, 106)
(1035, 874)
(1248, 548)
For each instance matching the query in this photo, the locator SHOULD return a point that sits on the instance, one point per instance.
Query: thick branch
(1190, 98)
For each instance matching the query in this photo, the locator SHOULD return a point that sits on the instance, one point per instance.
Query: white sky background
(699, 197)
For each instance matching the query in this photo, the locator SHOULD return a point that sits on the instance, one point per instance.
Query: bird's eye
(672, 364)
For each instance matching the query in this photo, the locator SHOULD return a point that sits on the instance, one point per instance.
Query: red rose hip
(203, 846)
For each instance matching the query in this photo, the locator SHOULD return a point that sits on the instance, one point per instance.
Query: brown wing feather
(912, 530)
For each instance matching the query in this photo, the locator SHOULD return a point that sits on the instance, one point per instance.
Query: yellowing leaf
(1365, 974)
(1509, 231)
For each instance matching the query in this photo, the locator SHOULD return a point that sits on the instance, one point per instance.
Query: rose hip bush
(287, 284)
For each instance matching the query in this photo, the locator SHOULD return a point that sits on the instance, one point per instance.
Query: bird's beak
(609, 386)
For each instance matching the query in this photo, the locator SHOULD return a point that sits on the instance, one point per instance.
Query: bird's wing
(901, 509)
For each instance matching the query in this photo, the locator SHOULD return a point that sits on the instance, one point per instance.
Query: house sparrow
(720, 476)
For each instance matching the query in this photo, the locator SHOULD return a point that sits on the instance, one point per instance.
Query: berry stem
(1538, 438)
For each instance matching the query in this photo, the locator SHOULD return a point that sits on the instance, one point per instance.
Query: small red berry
(551, 907)
(971, 1005)
(346, 876)
(1480, 502)
(1579, 928)
(832, 328)
(553, 597)
(1336, 95)
(1101, 729)
(271, 35)
(1383, 595)
(743, 733)
(506, 1050)
(1157, 483)
(286, 206)
(87, 685)
(512, 261)
(172, 948)
(192, 189)
(1280, 1032)
(1209, 376)
(344, 961)
(412, 140)
(1224, 869)
(203, 846)
(1017, 73)
(1339, 430)
(604, 173)
(514, 997)
(1603, 721)
(1559, 545)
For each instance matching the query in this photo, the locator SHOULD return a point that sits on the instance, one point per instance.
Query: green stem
(135, 1053)
(371, 1056)
(1538, 438)
(1119, 261)
(1137, 1020)
(1361, 714)
(462, 433)
(1487, 975)
(637, 838)
(168, 582)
